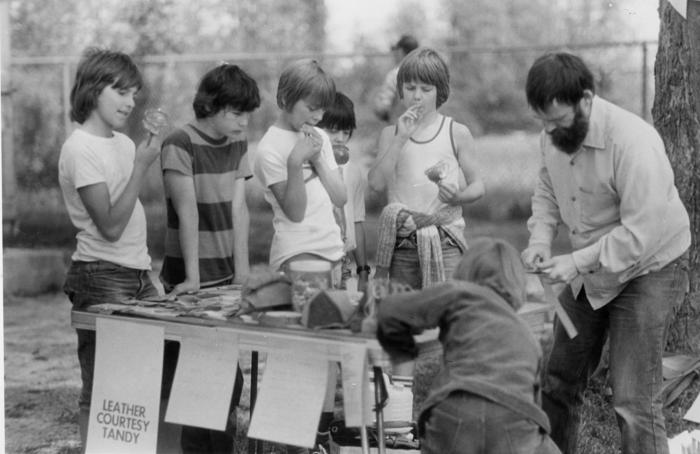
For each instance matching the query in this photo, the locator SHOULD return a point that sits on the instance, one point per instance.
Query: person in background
(339, 123)
(486, 397)
(294, 161)
(605, 176)
(205, 165)
(100, 172)
(387, 105)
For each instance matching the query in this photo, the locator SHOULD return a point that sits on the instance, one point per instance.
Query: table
(327, 344)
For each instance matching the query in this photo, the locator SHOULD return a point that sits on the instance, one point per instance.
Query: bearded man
(606, 178)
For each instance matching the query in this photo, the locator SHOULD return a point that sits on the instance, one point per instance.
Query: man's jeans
(636, 322)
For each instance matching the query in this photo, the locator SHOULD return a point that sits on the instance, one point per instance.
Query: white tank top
(411, 186)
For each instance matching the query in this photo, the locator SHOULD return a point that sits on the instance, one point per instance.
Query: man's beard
(570, 139)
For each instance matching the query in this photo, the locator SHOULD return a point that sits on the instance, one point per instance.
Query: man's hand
(533, 256)
(560, 268)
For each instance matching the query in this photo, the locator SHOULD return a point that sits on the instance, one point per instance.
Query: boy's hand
(408, 121)
(147, 152)
(448, 192)
(185, 286)
(308, 147)
(362, 280)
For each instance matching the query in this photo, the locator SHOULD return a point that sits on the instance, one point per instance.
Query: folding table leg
(254, 445)
(380, 396)
(364, 442)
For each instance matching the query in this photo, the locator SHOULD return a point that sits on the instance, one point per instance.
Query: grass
(509, 166)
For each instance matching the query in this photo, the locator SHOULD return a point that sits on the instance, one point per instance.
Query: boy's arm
(391, 142)
(382, 170)
(111, 219)
(241, 228)
(291, 193)
(360, 255)
(401, 316)
(466, 157)
(182, 196)
(331, 179)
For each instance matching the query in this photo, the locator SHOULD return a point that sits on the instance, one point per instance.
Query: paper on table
(203, 384)
(355, 385)
(681, 6)
(693, 413)
(290, 398)
(126, 389)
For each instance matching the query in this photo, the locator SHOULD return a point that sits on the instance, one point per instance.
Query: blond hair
(496, 264)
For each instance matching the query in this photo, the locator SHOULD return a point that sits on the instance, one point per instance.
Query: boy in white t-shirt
(339, 123)
(295, 164)
(100, 172)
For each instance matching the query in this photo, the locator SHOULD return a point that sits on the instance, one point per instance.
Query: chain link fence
(487, 94)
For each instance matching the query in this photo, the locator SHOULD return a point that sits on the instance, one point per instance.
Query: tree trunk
(676, 114)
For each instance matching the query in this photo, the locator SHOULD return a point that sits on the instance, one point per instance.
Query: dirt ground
(42, 382)
(42, 376)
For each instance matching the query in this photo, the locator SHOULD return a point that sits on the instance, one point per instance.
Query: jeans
(636, 322)
(90, 283)
(466, 423)
(405, 266)
(200, 440)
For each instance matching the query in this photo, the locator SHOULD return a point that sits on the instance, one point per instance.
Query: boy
(101, 172)
(422, 236)
(205, 166)
(294, 162)
(339, 123)
(486, 398)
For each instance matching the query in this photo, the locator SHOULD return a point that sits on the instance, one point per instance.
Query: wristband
(363, 268)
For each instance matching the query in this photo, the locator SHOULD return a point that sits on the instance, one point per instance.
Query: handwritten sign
(126, 388)
(203, 384)
(291, 395)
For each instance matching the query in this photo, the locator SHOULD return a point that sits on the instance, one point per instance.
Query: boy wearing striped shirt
(205, 165)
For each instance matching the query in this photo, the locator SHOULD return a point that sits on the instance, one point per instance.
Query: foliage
(486, 86)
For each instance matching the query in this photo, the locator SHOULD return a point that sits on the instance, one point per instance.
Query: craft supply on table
(308, 278)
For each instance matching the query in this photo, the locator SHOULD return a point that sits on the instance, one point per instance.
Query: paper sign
(681, 6)
(290, 398)
(203, 383)
(126, 388)
(355, 385)
(693, 413)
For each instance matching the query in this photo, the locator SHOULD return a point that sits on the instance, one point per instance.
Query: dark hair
(97, 69)
(425, 65)
(406, 43)
(305, 79)
(226, 86)
(340, 115)
(557, 76)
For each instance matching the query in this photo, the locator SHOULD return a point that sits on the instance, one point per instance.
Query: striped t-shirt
(214, 165)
